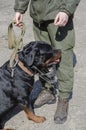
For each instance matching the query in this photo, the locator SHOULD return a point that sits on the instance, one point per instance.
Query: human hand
(61, 19)
(18, 19)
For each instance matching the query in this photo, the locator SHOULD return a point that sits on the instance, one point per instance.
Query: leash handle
(14, 42)
(12, 39)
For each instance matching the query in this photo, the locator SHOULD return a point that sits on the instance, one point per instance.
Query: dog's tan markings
(55, 58)
(32, 116)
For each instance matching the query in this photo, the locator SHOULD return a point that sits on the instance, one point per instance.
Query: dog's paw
(40, 119)
(37, 119)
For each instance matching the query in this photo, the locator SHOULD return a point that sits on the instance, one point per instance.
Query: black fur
(18, 89)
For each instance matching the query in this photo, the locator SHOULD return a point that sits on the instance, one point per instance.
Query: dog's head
(39, 53)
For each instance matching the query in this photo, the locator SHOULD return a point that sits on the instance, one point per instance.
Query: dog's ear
(54, 59)
(29, 52)
(27, 57)
(30, 57)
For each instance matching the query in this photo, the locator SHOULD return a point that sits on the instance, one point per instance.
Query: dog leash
(41, 74)
(50, 81)
(14, 42)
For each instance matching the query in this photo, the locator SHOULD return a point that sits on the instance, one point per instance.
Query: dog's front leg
(31, 115)
(2, 126)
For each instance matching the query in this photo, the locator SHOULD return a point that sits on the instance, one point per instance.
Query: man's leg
(46, 95)
(64, 39)
(40, 34)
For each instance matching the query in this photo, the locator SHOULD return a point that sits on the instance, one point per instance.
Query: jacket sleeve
(21, 5)
(69, 6)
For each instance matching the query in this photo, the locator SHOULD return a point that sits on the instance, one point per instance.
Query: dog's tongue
(54, 63)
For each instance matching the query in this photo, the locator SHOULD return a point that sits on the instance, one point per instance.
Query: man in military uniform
(53, 23)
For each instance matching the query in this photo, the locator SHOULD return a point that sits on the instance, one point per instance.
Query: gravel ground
(77, 112)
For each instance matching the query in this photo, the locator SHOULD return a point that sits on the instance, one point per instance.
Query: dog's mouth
(53, 60)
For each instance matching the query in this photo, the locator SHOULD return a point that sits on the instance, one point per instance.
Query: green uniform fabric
(42, 10)
(60, 38)
(43, 13)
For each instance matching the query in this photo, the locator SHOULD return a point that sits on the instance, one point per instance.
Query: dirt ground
(77, 110)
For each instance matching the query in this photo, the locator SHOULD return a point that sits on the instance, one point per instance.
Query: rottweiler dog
(17, 85)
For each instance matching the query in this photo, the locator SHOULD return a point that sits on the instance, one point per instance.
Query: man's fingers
(56, 20)
(18, 19)
(61, 19)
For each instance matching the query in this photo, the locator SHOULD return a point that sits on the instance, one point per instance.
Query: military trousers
(60, 38)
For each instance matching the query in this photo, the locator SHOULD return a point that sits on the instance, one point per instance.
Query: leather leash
(14, 42)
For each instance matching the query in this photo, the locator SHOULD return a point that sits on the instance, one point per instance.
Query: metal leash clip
(13, 68)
